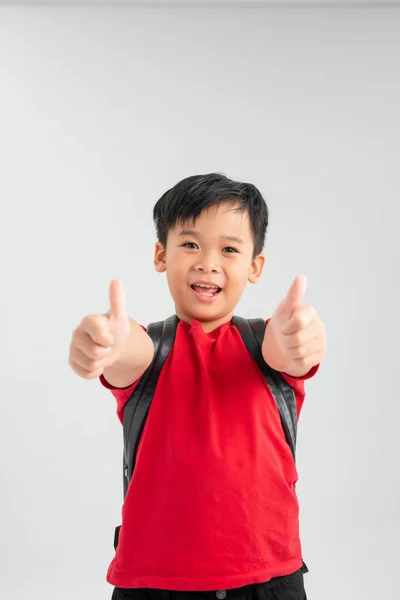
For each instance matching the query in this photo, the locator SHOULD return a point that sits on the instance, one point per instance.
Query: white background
(101, 110)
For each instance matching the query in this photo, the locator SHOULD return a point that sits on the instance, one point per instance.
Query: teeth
(214, 289)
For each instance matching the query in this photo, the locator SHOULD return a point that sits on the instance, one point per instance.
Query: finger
(302, 336)
(294, 295)
(89, 364)
(98, 328)
(310, 361)
(303, 352)
(84, 372)
(300, 319)
(117, 300)
(90, 349)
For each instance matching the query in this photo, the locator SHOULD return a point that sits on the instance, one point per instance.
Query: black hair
(191, 196)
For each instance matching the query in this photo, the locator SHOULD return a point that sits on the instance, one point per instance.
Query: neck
(207, 326)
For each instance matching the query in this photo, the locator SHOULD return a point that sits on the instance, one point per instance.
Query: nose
(207, 265)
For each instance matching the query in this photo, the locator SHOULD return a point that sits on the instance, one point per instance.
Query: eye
(229, 250)
(190, 245)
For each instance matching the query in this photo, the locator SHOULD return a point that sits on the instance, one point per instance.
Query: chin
(205, 317)
(204, 314)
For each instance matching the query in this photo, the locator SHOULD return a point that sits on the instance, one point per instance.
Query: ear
(256, 269)
(160, 258)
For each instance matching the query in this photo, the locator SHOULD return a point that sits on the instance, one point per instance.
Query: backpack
(137, 407)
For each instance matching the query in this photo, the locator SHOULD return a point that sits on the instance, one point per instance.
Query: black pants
(290, 587)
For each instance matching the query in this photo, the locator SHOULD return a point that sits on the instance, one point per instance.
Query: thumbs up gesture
(98, 340)
(295, 338)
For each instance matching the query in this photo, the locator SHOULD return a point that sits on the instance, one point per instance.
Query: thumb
(117, 300)
(294, 296)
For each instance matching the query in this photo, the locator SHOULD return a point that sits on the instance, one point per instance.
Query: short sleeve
(297, 384)
(121, 395)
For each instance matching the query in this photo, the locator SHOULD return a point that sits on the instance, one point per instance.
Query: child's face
(217, 250)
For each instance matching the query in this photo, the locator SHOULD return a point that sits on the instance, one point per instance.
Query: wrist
(272, 352)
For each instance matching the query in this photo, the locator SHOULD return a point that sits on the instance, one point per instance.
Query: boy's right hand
(98, 340)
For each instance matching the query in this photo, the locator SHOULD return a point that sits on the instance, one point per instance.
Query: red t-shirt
(212, 503)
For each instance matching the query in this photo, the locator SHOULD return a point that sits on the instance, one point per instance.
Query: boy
(211, 509)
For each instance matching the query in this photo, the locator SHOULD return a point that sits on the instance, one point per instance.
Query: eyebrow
(231, 238)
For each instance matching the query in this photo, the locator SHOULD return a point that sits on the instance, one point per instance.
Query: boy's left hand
(299, 341)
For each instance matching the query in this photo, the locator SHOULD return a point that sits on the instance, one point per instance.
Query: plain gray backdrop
(101, 110)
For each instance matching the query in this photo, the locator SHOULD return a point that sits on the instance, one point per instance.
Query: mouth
(206, 290)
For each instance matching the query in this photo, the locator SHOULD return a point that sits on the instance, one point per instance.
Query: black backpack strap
(252, 332)
(137, 407)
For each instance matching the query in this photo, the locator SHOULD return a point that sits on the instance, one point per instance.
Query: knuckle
(298, 353)
(93, 365)
(301, 352)
(302, 362)
(96, 352)
(91, 322)
(87, 372)
(72, 357)
(87, 320)
(298, 339)
(300, 321)
(305, 315)
(76, 336)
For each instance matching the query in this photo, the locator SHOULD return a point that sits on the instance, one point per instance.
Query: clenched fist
(98, 340)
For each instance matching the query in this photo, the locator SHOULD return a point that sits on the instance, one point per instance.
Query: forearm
(136, 355)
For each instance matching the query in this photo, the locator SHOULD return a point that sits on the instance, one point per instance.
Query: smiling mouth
(206, 290)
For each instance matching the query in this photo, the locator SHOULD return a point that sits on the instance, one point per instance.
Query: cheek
(176, 273)
(239, 272)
